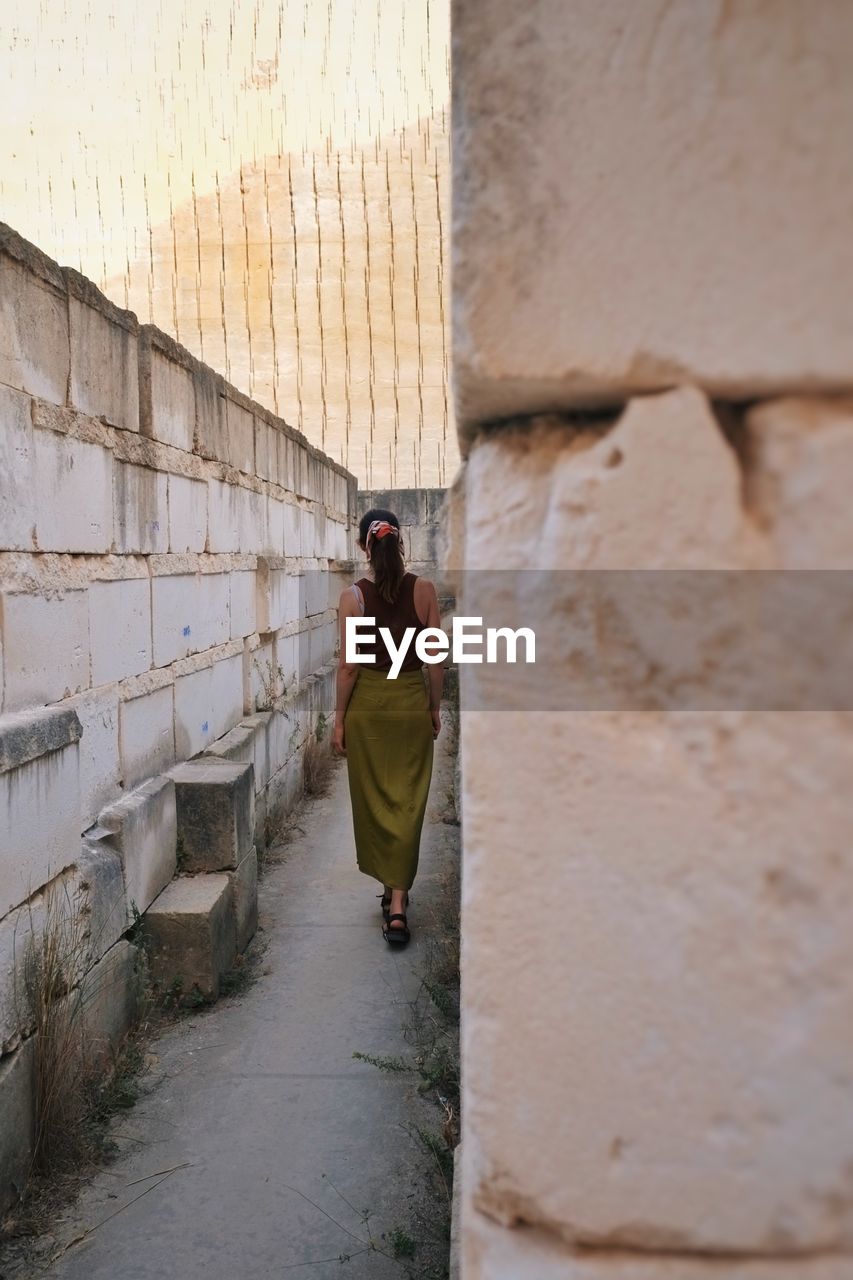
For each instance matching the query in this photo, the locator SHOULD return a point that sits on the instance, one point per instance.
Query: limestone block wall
(657, 997)
(167, 556)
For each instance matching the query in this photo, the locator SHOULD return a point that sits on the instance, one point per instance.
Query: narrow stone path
(261, 1108)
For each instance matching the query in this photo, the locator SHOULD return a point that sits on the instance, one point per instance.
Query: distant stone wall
(166, 554)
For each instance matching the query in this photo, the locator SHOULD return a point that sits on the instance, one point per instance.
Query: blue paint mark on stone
(155, 525)
(205, 727)
(186, 631)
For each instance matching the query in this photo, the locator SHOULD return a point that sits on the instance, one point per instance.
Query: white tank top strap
(356, 590)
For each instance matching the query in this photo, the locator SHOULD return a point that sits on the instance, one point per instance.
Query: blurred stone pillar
(653, 342)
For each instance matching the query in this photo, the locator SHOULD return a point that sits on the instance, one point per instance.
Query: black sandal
(386, 904)
(396, 937)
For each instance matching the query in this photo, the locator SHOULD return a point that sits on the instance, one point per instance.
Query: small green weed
(401, 1244)
(384, 1063)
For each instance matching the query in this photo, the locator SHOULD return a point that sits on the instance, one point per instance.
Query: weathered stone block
(259, 726)
(73, 488)
(703, 873)
(408, 505)
(142, 828)
(286, 786)
(286, 656)
(266, 457)
(292, 530)
(166, 390)
(571, 206)
(187, 514)
(147, 735)
(211, 430)
(224, 517)
(308, 532)
(236, 745)
(96, 894)
(16, 933)
(26, 735)
(216, 812)
(17, 1121)
(104, 379)
(207, 704)
(276, 596)
(39, 822)
(304, 656)
(274, 527)
(45, 647)
(240, 424)
(99, 750)
(191, 614)
(799, 478)
(120, 628)
(316, 592)
(84, 909)
(244, 892)
(285, 454)
(323, 693)
(321, 645)
(112, 993)
(17, 494)
(141, 509)
(243, 606)
(422, 544)
(34, 347)
(490, 1251)
(191, 935)
(253, 521)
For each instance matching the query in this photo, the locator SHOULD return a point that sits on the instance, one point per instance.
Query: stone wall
(291, 235)
(167, 556)
(657, 956)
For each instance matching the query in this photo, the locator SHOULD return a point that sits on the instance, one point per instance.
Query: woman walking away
(385, 726)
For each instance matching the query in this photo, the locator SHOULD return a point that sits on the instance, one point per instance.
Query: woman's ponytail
(379, 534)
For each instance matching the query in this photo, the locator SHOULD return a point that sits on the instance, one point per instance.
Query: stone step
(191, 936)
(216, 813)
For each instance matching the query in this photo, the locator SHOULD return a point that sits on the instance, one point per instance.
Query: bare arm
(426, 607)
(347, 671)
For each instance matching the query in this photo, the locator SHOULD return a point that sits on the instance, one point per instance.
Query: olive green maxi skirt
(389, 746)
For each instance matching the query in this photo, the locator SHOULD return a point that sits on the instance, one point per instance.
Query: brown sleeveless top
(396, 617)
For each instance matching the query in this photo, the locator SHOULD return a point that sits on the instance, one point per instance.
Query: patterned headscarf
(379, 529)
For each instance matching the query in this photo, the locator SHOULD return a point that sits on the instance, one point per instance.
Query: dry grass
(80, 1082)
(317, 765)
(282, 825)
(55, 993)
